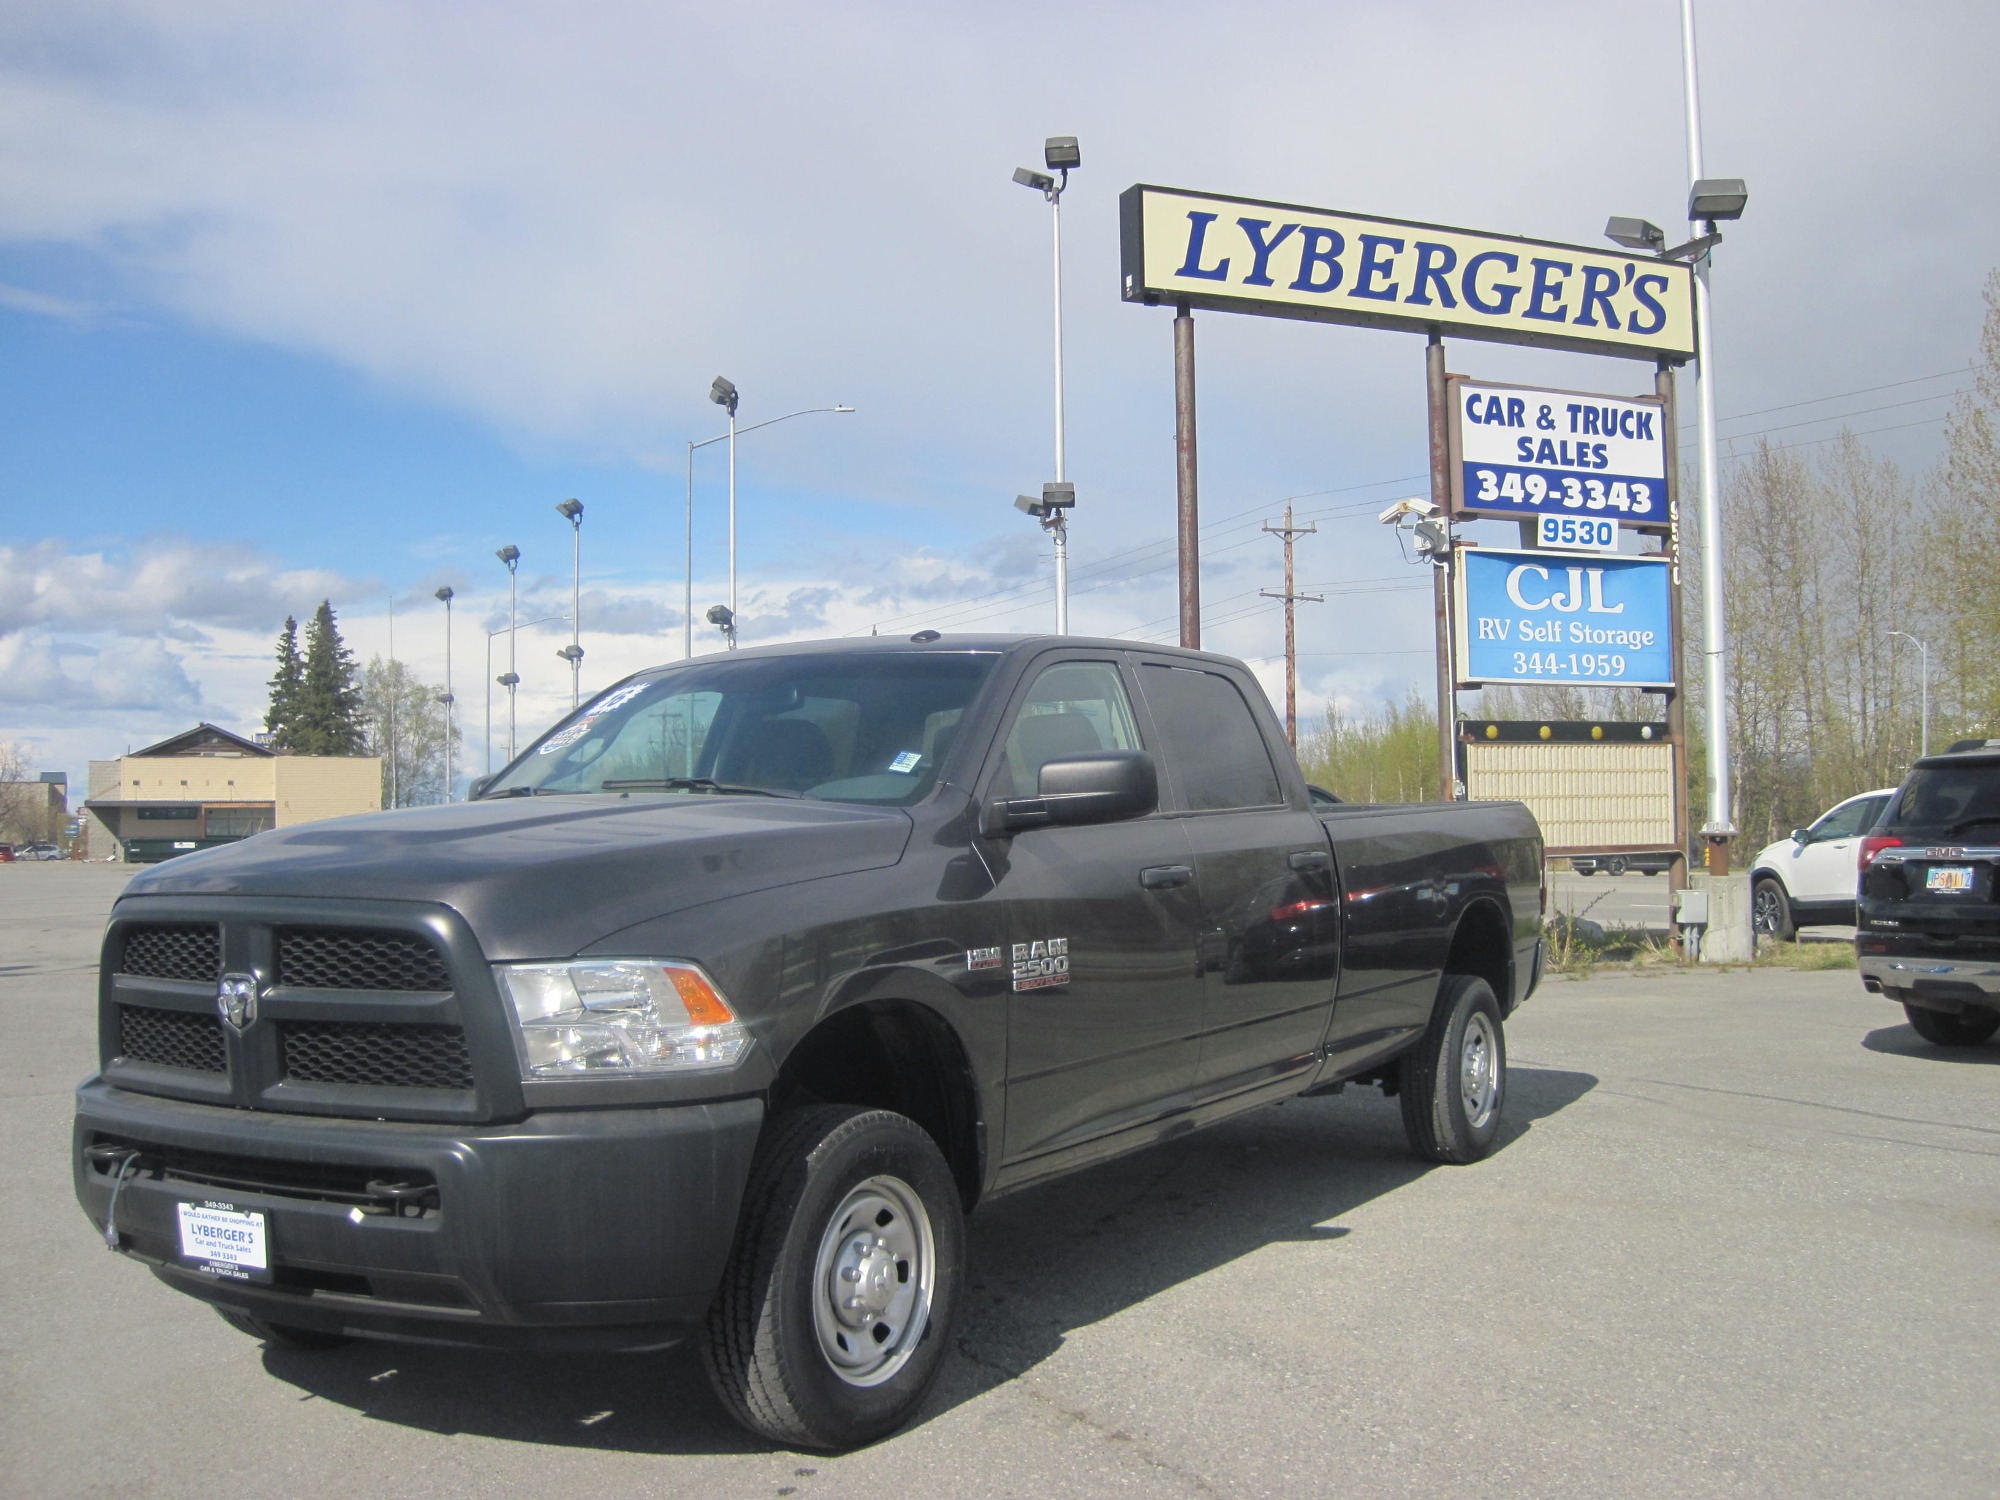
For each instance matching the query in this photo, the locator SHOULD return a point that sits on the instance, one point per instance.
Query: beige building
(209, 787)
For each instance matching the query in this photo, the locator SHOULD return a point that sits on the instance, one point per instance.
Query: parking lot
(1739, 1239)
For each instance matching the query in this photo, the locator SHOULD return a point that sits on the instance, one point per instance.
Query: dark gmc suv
(1928, 934)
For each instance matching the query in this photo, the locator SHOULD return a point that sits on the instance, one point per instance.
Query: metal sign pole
(1677, 871)
(1447, 673)
(1184, 479)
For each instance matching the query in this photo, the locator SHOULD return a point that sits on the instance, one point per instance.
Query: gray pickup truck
(716, 1011)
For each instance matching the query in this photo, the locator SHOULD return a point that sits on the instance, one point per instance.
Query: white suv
(1809, 879)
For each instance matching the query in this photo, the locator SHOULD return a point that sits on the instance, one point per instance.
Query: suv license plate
(1951, 879)
(218, 1239)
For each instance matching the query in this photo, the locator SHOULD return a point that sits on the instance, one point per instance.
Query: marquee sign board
(1569, 618)
(1280, 260)
(1518, 452)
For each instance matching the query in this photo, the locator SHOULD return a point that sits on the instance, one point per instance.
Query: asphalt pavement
(1738, 1239)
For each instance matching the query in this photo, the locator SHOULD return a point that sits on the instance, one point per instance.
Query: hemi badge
(982, 958)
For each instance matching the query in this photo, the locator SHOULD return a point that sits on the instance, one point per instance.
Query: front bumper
(1934, 983)
(590, 1229)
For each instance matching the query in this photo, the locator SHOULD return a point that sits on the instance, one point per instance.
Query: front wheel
(1454, 1082)
(837, 1304)
(1941, 1029)
(1616, 867)
(1770, 912)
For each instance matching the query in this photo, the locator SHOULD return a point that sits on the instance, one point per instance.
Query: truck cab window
(1212, 739)
(1074, 708)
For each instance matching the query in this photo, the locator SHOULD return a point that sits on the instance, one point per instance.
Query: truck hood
(545, 877)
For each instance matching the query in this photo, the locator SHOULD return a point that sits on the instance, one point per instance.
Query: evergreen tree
(286, 687)
(329, 721)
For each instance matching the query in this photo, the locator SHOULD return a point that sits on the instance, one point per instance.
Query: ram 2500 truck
(717, 1009)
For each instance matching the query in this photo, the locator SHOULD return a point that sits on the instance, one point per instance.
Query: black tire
(1942, 1029)
(774, 1335)
(1615, 866)
(283, 1334)
(1444, 1118)
(1771, 910)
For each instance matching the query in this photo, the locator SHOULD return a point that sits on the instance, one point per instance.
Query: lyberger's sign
(1279, 260)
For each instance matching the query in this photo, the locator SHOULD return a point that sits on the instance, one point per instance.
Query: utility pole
(1287, 532)
(395, 787)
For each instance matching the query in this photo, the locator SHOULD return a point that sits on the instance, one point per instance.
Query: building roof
(207, 739)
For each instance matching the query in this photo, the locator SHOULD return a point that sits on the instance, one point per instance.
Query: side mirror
(478, 787)
(1108, 786)
(1801, 836)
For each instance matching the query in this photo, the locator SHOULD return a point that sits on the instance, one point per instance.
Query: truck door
(1104, 1000)
(1270, 939)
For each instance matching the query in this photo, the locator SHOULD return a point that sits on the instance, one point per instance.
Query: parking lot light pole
(572, 511)
(1924, 659)
(491, 636)
(1059, 154)
(511, 556)
(445, 596)
(687, 582)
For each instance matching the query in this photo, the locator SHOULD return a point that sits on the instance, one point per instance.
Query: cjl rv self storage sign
(1563, 618)
(1520, 453)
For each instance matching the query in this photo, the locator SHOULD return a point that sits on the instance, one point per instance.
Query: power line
(1866, 390)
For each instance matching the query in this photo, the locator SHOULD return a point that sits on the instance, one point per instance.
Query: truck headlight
(618, 1017)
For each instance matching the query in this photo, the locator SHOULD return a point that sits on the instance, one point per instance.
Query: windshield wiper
(521, 791)
(693, 784)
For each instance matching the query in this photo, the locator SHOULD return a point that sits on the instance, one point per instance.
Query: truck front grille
(376, 1055)
(171, 1038)
(332, 959)
(182, 950)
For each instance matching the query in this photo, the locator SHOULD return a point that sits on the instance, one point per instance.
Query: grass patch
(1805, 957)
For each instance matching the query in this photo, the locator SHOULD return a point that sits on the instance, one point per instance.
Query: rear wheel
(1616, 866)
(1942, 1029)
(283, 1335)
(1454, 1082)
(1770, 911)
(837, 1304)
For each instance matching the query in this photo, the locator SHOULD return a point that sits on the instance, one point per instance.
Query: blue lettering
(1582, 414)
(1198, 231)
(1474, 405)
(1323, 248)
(1603, 459)
(1373, 266)
(1517, 411)
(1549, 276)
(1525, 446)
(1642, 290)
(1434, 263)
(1645, 425)
(1254, 229)
(1599, 285)
(1545, 453)
(1469, 283)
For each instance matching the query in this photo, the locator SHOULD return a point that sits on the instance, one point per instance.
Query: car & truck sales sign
(1568, 618)
(1522, 453)
(1280, 260)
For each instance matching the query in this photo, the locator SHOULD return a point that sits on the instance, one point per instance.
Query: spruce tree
(286, 687)
(329, 721)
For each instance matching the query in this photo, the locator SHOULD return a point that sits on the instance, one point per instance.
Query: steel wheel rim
(1764, 910)
(1479, 1071)
(873, 1281)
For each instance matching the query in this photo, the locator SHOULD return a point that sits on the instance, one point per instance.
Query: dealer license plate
(1951, 879)
(218, 1239)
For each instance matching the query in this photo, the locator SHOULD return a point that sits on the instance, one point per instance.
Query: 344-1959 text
(1566, 664)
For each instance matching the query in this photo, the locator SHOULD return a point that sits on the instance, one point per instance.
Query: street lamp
(723, 394)
(444, 597)
(1924, 666)
(1059, 154)
(724, 618)
(511, 556)
(1052, 511)
(572, 511)
(687, 589)
(491, 635)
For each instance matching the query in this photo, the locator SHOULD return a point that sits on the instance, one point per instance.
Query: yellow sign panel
(1588, 798)
(1283, 261)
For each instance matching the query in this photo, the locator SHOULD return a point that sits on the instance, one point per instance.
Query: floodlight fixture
(1058, 495)
(571, 653)
(1029, 505)
(1059, 153)
(1715, 198)
(445, 595)
(510, 555)
(571, 511)
(720, 614)
(508, 679)
(1635, 234)
(723, 394)
(1041, 182)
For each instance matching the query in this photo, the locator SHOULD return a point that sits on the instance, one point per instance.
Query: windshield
(853, 727)
(1952, 798)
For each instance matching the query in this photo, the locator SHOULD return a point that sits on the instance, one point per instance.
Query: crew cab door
(1264, 866)
(1104, 995)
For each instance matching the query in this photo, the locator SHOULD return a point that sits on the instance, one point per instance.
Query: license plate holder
(221, 1240)
(1949, 880)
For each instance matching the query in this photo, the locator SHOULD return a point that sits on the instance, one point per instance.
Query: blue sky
(299, 303)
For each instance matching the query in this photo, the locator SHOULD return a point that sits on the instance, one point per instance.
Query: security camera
(1411, 507)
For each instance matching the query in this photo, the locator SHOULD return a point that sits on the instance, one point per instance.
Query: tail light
(1874, 844)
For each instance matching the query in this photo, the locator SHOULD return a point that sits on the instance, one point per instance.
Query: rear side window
(1211, 739)
(1952, 798)
(1849, 819)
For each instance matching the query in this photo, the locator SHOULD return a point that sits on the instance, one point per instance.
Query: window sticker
(564, 738)
(619, 698)
(905, 763)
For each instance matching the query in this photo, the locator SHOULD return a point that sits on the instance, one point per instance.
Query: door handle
(1165, 877)
(1303, 860)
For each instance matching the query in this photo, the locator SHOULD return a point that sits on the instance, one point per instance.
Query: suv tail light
(1874, 844)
